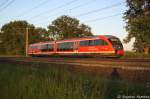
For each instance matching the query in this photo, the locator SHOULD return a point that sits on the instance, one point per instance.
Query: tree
(67, 27)
(138, 24)
(2, 51)
(43, 34)
(13, 36)
(38, 35)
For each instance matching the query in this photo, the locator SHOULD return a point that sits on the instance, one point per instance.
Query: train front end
(117, 45)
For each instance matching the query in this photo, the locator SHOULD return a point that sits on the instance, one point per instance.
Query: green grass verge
(135, 55)
(50, 82)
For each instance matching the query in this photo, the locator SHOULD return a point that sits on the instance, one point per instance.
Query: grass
(20, 81)
(135, 55)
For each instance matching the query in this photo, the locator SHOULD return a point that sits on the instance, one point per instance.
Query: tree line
(13, 34)
(137, 18)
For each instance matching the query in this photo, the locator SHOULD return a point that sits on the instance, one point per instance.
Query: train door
(55, 47)
(76, 45)
(104, 46)
(89, 46)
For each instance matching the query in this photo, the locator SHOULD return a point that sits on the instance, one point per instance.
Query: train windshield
(116, 43)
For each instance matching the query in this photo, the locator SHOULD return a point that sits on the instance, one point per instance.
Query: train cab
(117, 45)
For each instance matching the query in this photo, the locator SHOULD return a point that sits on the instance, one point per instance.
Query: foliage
(129, 54)
(1, 45)
(137, 23)
(33, 81)
(13, 35)
(67, 27)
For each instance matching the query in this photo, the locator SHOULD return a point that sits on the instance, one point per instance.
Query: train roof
(82, 38)
(75, 39)
(46, 42)
(110, 36)
(88, 37)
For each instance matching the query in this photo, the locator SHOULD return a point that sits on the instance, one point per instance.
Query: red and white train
(97, 45)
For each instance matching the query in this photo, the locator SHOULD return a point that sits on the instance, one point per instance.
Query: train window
(116, 43)
(90, 42)
(97, 42)
(103, 42)
(46, 47)
(93, 42)
(33, 47)
(50, 47)
(84, 43)
(66, 46)
(43, 47)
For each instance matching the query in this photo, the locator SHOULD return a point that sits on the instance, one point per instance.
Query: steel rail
(85, 63)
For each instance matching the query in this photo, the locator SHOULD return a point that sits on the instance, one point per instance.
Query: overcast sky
(103, 16)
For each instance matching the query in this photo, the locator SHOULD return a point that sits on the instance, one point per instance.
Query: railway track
(126, 64)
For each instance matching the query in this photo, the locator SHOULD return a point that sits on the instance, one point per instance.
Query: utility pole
(27, 33)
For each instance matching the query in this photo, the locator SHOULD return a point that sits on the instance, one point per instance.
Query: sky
(105, 17)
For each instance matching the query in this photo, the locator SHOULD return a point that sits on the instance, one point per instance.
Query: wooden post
(27, 30)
